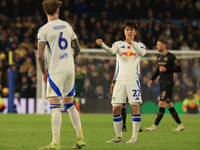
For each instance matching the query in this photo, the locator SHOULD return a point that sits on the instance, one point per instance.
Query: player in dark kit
(167, 65)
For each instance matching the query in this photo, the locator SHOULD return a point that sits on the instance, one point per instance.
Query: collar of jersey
(53, 19)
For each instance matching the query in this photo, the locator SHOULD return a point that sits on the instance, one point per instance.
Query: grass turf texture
(29, 132)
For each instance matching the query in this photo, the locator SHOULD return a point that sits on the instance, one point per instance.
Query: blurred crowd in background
(177, 21)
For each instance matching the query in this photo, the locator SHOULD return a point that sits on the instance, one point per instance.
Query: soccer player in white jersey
(57, 38)
(128, 54)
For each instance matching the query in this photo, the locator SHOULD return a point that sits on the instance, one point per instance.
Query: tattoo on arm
(76, 47)
(41, 48)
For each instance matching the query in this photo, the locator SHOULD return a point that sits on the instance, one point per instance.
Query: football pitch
(29, 132)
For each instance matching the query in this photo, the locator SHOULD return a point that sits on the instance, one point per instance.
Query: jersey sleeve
(140, 48)
(42, 34)
(175, 61)
(176, 65)
(73, 34)
(111, 50)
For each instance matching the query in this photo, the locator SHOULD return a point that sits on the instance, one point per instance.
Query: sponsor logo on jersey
(128, 54)
(59, 27)
(65, 55)
(162, 63)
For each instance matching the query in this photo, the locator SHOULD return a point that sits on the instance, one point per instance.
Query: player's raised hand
(149, 83)
(99, 42)
(162, 69)
(128, 40)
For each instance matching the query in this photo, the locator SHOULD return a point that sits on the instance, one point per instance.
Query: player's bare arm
(76, 47)
(149, 83)
(113, 81)
(41, 48)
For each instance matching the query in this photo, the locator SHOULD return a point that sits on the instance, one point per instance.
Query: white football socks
(118, 128)
(56, 121)
(76, 122)
(136, 126)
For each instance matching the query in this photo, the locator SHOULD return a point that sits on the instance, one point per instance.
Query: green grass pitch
(29, 132)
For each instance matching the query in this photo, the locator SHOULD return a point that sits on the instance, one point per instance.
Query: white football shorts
(61, 84)
(124, 89)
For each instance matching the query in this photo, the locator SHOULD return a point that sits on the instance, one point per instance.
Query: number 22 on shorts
(136, 93)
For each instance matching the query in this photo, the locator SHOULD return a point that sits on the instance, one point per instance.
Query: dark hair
(132, 24)
(164, 41)
(50, 6)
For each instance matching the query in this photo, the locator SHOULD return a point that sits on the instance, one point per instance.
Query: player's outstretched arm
(76, 47)
(112, 50)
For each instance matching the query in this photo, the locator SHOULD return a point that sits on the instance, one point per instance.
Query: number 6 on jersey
(61, 40)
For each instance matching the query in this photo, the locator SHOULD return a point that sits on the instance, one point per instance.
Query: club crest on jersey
(129, 47)
(165, 58)
(128, 54)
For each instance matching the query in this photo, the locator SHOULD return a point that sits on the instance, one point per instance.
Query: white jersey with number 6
(58, 34)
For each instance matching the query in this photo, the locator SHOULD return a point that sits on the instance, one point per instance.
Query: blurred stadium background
(177, 21)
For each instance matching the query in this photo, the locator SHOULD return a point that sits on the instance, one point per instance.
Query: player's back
(58, 34)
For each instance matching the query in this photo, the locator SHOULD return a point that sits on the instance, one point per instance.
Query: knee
(169, 105)
(116, 111)
(135, 109)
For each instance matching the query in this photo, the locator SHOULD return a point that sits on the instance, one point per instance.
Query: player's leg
(134, 97)
(136, 122)
(168, 99)
(123, 112)
(54, 86)
(175, 116)
(161, 112)
(158, 118)
(56, 121)
(118, 98)
(117, 121)
(76, 122)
